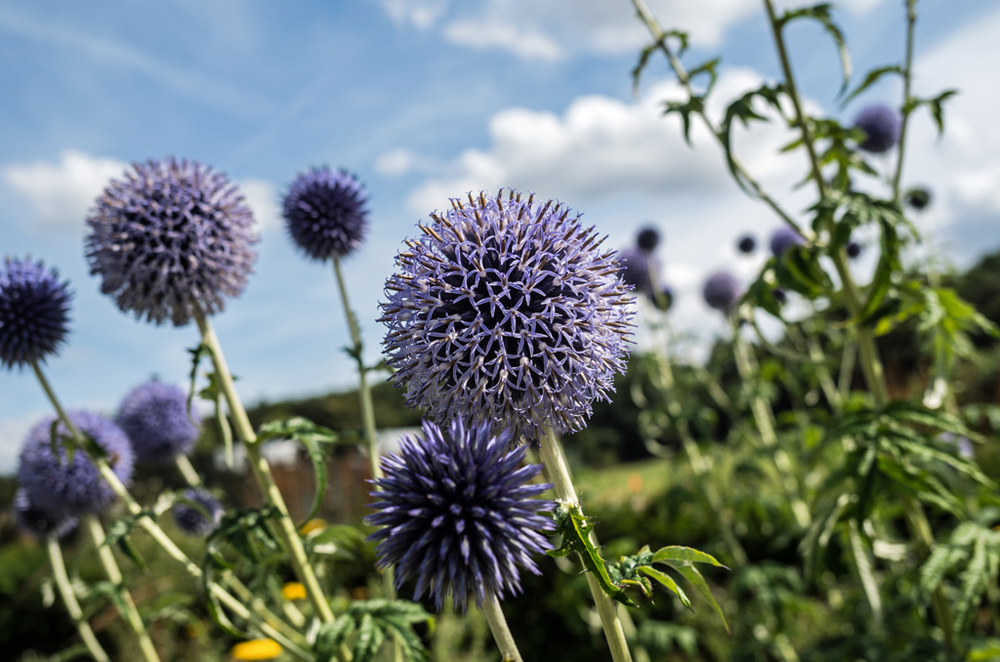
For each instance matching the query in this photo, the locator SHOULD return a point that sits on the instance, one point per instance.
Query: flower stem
(501, 633)
(114, 575)
(262, 472)
(191, 476)
(69, 599)
(911, 21)
(558, 472)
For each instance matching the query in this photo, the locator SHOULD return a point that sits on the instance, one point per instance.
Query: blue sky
(424, 99)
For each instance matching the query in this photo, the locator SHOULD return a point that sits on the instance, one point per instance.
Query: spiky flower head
(648, 239)
(507, 311)
(34, 521)
(881, 125)
(784, 238)
(722, 291)
(67, 488)
(191, 519)
(918, 197)
(458, 514)
(636, 270)
(34, 312)
(325, 213)
(853, 249)
(155, 417)
(746, 244)
(170, 238)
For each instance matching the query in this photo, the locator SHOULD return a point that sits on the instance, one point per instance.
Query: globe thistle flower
(507, 311)
(34, 312)
(325, 213)
(784, 238)
(648, 239)
(721, 291)
(34, 521)
(853, 249)
(918, 198)
(458, 514)
(191, 519)
(881, 125)
(171, 238)
(636, 272)
(155, 417)
(68, 489)
(746, 244)
(780, 296)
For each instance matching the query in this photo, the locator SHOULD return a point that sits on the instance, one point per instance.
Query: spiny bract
(155, 417)
(506, 310)
(325, 213)
(171, 238)
(457, 513)
(34, 312)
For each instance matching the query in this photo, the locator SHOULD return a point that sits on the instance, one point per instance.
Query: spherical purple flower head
(746, 244)
(853, 249)
(170, 238)
(881, 125)
(722, 291)
(33, 520)
(457, 513)
(507, 311)
(918, 198)
(155, 417)
(34, 312)
(192, 520)
(648, 239)
(66, 489)
(636, 272)
(325, 213)
(784, 238)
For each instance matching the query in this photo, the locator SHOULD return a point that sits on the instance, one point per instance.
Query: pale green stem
(911, 21)
(114, 575)
(69, 599)
(498, 626)
(557, 471)
(285, 527)
(865, 573)
(365, 397)
(847, 369)
(184, 465)
(268, 622)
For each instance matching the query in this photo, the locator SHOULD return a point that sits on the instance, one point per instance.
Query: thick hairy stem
(557, 470)
(501, 633)
(114, 575)
(284, 525)
(69, 599)
(911, 22)
(365, 396)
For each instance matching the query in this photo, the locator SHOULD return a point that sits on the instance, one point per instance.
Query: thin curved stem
(911, 22)
(184, 465)
(501, 632)
(69, 599)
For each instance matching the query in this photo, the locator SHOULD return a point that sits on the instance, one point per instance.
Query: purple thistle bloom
(33, 520)
(68, 489)
(746, 244)
(648, 239)
(853, 249)
(918, 198)
(325, 213)
(154, 415)
(506, 311)
(784, 238)
(881, 125)
(170, 238)
(722, 291)
(192, 520)
(34, 311)
(636, 271)
(457, 514)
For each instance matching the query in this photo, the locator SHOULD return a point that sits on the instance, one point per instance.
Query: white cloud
(526, 42)
(63, 192)
(396, 163)
(421, 14)
(262, 198)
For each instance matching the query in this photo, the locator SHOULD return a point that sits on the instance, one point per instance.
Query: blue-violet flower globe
(458, 513)
(636, 271)
(191, 519)
(784, 238)
(33, 520)
(648, 239)
(34, 312)
(746, 244)
(881, 126)
(507, 311)
(325, 213)
(722, 291)
(171, 239)
(69, 489)
(155, 417)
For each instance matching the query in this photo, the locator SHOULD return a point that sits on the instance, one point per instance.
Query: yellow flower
(256, 649)
(293, 591)
(312, 525)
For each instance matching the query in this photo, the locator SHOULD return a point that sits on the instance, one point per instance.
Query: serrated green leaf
(821, 13)
(332, 636)
(678, 553)
(696, 579)
(667, 581)
(870, 79)
(575, 529)
(368, 641)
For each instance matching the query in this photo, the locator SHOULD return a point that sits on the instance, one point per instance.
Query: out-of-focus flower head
(722, 291)
(458, 513)
(648, 239)
(746, 244)
(664, 300)
(325, 213)
(919, 198)
(255, 649)
(881, 125)
(68, 489)
(155, 417)
(169, 238)
(34, 312)
(853, 249)
(784, 238)
(191, 519)
(507, 311)
(636, 271)
(34, 521)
